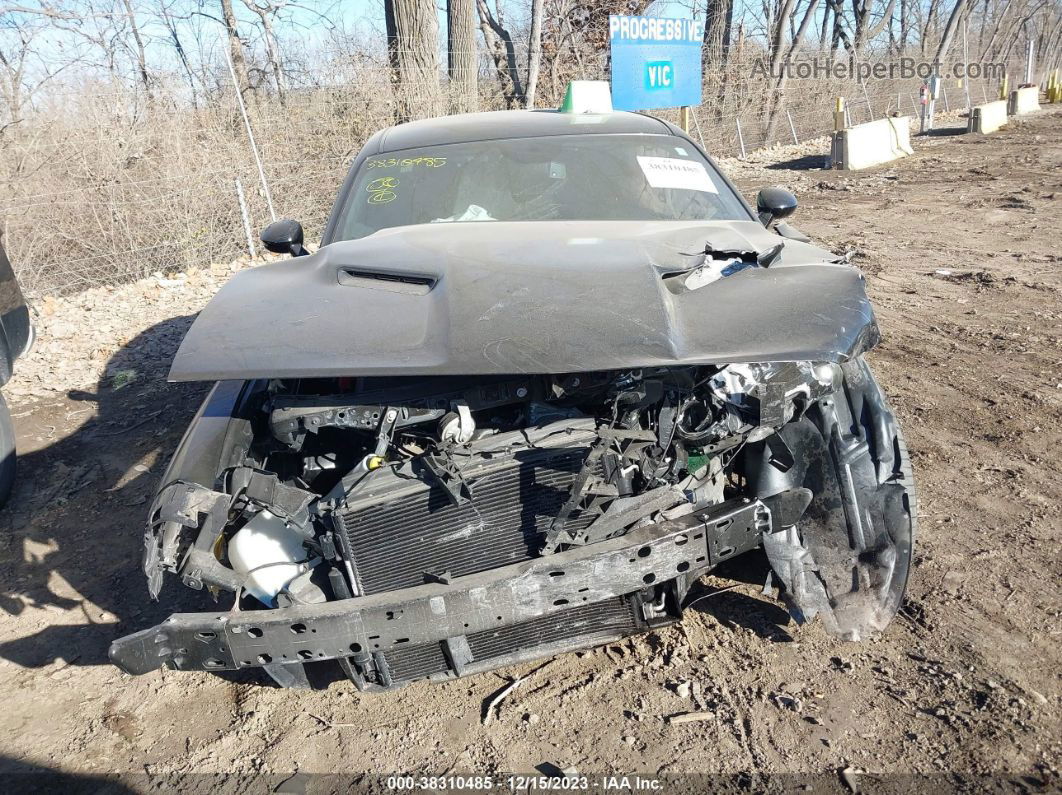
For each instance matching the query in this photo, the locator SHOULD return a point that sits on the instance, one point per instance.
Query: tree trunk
(839, 35)
(949, 32)
(988, 48)
(984, 19)
(239, 63)
(500, 45)
(886, 17)
(534, 52)
(461, 56)
(417, 40)
(717, 24)
(272, 46)
(273, 54)
(141, 57)
(178, 46)
(392, 39)
(860, 10)
(778, 48)
(904, 25)
(929, 22)
(776, 100)
(11, 85)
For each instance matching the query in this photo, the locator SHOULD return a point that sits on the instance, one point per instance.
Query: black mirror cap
(284, 237)
(773, 204)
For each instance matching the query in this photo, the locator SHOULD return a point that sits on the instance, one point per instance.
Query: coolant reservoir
(270, 553)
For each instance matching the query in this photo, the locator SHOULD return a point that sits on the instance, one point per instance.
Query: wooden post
(838, 115)
(684, 119)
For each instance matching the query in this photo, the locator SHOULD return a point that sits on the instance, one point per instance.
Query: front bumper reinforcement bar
(496, 598)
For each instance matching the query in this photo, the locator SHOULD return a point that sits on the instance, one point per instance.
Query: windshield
(556, 178)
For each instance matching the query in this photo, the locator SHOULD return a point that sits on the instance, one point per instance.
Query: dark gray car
(545, 371)
(16, 336)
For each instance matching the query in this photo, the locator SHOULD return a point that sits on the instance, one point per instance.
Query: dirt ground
(960, 247)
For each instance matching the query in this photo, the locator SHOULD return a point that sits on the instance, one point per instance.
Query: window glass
(563, 177)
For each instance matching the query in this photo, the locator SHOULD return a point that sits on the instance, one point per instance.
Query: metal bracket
(438, 612)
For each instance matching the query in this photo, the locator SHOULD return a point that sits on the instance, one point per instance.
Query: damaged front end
(430, 527)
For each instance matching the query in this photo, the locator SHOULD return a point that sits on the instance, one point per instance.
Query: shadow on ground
(73, 531)
(944, 132)
(20, 776)
(733, 608)
(806, 163)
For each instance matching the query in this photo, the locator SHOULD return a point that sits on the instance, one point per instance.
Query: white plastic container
(269, 552)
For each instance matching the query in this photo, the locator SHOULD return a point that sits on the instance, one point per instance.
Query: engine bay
(348, 488)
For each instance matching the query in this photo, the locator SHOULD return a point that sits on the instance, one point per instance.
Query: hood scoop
(393, 282)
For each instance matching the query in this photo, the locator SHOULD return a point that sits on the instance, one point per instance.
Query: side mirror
(773, 204)
(284, 237)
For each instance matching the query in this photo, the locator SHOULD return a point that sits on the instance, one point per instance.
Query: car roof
(501, 124)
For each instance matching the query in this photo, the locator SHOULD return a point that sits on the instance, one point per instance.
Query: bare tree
(15, 56)
(718, 22)
(782, 55)
(416, 27)
(839, 35)
(500, 46)
(103, 27)
(169, 22)
(461, 46)
(266, 11)
(928, 23)
(534, 52)
(138, 40)
(904, 26)
(949, 32)
(987, 48)
(239, 62)
(864, 29)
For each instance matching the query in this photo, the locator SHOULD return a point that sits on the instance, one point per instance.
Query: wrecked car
(545, 371)
(16, 338)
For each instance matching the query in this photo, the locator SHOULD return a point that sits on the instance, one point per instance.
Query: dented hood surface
(528, 297)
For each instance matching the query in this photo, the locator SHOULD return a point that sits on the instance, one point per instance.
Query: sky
(305, 25)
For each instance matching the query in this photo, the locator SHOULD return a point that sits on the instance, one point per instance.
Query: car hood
(530, 297)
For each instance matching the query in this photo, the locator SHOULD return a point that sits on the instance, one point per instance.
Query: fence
(101, 187)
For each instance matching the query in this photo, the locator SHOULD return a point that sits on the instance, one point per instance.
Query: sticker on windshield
(670, 172)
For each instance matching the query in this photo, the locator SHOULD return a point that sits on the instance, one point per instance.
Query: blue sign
(656, 63)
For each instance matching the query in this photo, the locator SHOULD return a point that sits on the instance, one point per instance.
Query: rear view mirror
(284, 237)
(773, 204)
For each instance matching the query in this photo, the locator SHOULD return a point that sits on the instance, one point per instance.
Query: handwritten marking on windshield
(381, 190)
(391, 162)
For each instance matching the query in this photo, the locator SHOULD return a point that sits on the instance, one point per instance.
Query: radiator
(405, 530)
(610, 619)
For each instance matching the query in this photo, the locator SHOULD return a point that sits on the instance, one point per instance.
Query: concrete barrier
(987, 118)
(872, 144)
(1024, 100)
